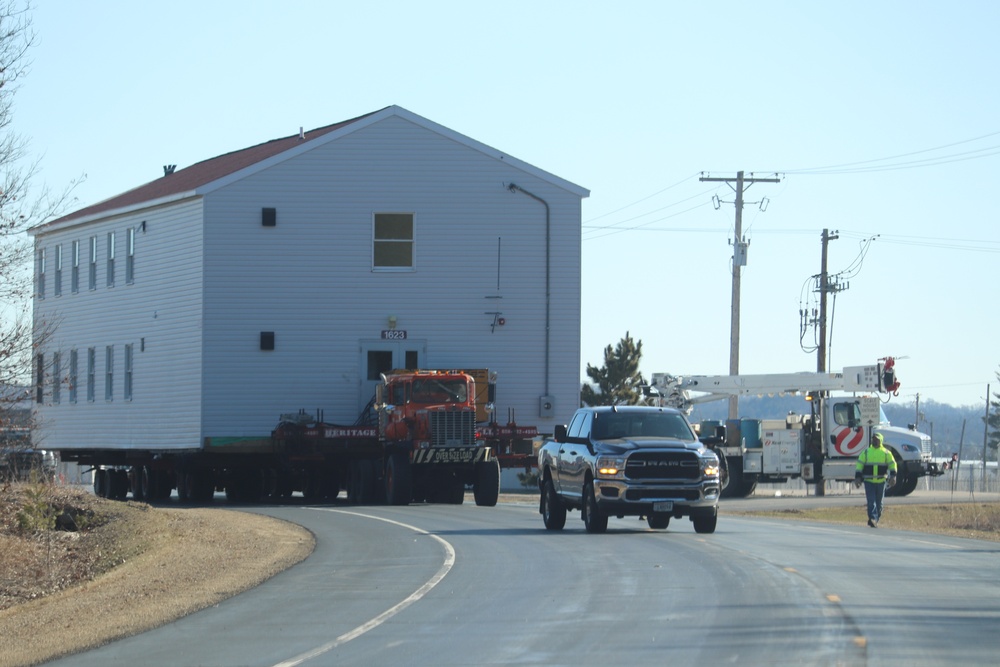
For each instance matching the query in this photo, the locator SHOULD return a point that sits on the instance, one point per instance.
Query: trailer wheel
(398, 480)
(486, 490)
(117, 484)
(101, 483)
(593, 520)
(552, 509)
(454, 490)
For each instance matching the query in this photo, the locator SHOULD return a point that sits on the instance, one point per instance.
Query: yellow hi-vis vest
(875, 463)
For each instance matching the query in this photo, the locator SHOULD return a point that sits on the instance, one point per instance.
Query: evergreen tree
(993, 423)
(618, 381)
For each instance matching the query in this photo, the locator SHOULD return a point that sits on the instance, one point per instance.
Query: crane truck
(426, 435)
(822, 445)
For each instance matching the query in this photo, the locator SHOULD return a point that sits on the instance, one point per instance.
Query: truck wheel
(101, 483)
(552, 509)
(487, 487)
(455, 491)
(593, 520)
(705, 523)
(117, 484)
(658, 521)
(202, 486)
(398, 480)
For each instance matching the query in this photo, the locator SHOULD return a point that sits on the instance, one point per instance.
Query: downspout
(548, 271)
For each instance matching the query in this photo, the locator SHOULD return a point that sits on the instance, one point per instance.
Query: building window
(56, 378)
(128, 372)
(41, 273)
(111, 259)
(392, 246)
(130, 257)
(93, 262)
(57, 288)
(91, 373)
(75, 278)
(39, 378)
(109, 373)
(73, 363)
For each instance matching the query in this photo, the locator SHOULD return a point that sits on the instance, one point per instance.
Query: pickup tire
(552, 508)
(487, 487)
(593, 520)
(705, 523)
(658, 521)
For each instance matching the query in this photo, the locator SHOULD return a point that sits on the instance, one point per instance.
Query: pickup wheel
(552, 509)
(705, 523)
(593, 520)
(658, 521)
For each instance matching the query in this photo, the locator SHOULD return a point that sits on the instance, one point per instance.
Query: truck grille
(662, 465)
(453, 428)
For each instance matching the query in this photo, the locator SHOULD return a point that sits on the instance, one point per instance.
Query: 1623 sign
(393, 334)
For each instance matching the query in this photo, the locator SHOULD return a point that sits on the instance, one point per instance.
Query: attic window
(393, 241)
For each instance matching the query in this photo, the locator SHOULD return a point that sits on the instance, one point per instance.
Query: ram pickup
(629, 461)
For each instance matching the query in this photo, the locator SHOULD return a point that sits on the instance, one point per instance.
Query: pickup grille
(662, 465)
(453, 428)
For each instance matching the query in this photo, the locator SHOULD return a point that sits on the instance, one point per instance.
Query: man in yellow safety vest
(876, 468)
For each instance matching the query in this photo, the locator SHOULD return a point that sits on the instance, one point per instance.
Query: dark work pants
(874, 493)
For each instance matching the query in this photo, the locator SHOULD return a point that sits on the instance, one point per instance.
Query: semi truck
(426, 435)
(822, 445)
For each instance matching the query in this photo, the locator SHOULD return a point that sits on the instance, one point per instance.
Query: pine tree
(618, 381)
(993, 423)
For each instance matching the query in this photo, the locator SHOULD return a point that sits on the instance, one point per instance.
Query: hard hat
(877, 439)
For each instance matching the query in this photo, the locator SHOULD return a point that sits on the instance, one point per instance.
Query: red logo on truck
(848, 441)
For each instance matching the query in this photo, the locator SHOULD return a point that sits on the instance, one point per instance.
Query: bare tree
(22, 206)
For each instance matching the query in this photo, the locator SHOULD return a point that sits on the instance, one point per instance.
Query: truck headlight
(609, 466)
(710, 467)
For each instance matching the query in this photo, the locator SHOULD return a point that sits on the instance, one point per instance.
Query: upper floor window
(57, 287)
(73, 375)
(41, 273)
(130, 257)
(392, 246)
(128, 372)
(39, 378)
(75, 276)
(56, 378)
(93, 262)
(109, 373)
(111, 259)
(91, 373)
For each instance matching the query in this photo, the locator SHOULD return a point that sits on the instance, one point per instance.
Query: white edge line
(449, 562)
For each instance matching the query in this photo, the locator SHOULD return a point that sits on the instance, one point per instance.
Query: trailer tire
(455, 490)
(101, 481)
(593, 519)
(117, 484)
(552, 509)
(398, 479)
(486, 490)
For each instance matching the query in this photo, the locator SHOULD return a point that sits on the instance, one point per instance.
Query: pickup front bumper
(621, 498)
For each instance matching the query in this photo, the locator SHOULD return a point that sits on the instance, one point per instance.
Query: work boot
(871, 524)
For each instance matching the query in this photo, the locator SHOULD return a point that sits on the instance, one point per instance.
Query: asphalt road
(464, 585)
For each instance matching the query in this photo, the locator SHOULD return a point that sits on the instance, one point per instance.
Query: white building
(287, 275)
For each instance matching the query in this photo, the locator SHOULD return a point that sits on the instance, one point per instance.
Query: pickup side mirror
(560, 433)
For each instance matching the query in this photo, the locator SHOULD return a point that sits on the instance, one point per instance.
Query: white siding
(159, 315)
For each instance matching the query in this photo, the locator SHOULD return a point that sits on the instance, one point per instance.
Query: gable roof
(200, 177)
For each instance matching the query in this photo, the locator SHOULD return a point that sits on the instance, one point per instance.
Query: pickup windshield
(613, 426)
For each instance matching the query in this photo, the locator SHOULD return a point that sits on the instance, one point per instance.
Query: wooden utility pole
(824, 288)
(739, 261)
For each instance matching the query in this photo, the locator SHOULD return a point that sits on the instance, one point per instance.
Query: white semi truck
(822, 445)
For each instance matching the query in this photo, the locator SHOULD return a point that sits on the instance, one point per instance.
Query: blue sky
(632, 100)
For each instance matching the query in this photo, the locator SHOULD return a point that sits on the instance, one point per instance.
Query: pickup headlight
(610, 466)
(710, 467)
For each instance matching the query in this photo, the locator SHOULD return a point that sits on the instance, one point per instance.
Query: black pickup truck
(629, 461)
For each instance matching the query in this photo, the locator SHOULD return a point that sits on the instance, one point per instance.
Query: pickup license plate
(664, 506)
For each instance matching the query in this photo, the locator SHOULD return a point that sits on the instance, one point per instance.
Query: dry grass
(980, 521)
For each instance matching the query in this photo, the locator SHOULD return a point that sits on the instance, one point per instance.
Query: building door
(381, 356)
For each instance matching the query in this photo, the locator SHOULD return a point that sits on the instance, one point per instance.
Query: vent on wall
(269, 217)
(267, 340)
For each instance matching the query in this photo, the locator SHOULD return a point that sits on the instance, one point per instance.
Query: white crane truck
(823, 445)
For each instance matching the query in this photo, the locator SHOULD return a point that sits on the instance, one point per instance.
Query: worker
(876, 468)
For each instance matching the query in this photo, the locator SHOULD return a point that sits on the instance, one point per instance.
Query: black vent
(269, 217)
(267, 340)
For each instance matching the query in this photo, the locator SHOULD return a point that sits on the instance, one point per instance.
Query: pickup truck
(629, 461)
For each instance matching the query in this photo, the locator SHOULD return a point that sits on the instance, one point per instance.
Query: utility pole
(824, 287)
(739, 260)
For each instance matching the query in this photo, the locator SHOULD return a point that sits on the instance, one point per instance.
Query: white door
(380, 356)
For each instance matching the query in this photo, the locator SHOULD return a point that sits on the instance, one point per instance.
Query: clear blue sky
(631, 100)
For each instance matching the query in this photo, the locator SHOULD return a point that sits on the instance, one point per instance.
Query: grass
(980, 521)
